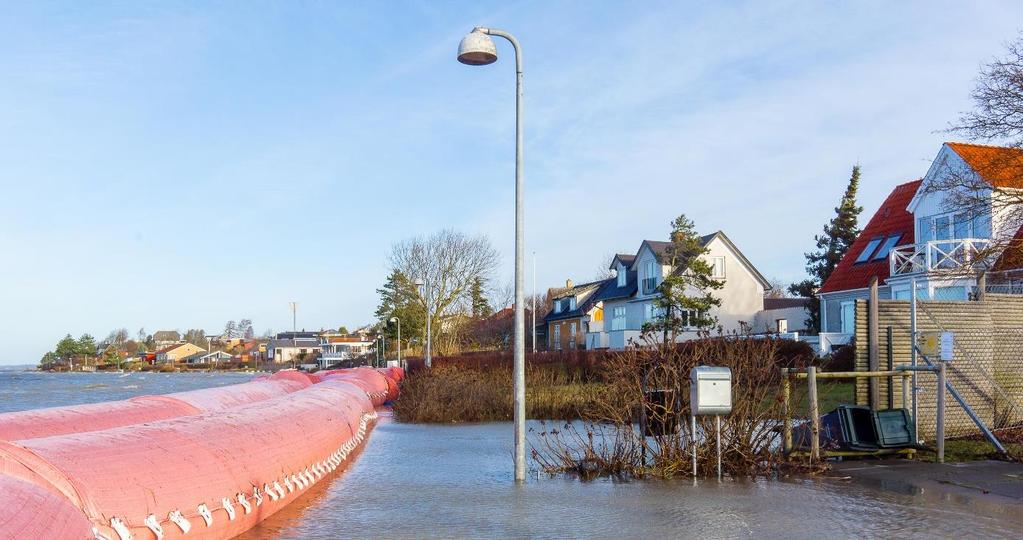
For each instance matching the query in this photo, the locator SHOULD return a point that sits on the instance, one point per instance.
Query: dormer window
(571, 303)
(621, 275)
(557, 306)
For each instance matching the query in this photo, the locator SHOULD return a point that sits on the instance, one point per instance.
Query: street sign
(940, 345)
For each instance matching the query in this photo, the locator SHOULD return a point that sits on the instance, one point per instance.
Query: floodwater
(429, 481)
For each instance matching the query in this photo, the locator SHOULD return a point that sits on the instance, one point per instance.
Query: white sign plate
(947, 346)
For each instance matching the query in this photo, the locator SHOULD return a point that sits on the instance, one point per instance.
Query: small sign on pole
(947, 346)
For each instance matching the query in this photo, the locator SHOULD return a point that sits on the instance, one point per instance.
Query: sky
(175, 165)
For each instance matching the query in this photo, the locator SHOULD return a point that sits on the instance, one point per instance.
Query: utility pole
(294, 319)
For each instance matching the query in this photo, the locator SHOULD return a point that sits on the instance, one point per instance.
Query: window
(961, 226)
(689, 318)
(867, 251)
(652, 312)
(557, 337)
(571, 336)
(598, 315)
(942, 228)
(622, 275)
(848, 317)
(557, 306)
(571, 303)
(717, 267)
(618, 318)
(886, 248)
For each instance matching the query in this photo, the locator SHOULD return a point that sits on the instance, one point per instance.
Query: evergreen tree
(67, 348)
(480, 306)
(686, 292)
(838, 236)
(399, 298)
(86, 345)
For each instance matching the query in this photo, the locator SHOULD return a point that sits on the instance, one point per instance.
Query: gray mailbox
(710, 390)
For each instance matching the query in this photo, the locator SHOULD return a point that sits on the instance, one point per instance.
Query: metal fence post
(940, 428)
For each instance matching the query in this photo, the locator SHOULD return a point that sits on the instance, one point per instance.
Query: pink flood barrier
(208, 474)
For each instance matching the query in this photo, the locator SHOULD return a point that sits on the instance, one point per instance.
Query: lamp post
(398, 322)
(425, 293)
(477, 49)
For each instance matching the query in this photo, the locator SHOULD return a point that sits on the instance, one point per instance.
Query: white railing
(938, 255)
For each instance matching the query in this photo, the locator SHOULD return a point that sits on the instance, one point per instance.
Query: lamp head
(477, 49)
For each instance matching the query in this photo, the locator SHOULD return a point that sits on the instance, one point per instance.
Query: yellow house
(178, 352)
(575, 308)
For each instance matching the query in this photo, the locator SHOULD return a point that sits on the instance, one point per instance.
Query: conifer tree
(686, 292)
(839, 234)
(480, 305)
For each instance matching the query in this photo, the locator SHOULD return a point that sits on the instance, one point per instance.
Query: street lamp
(424, 292)
(398, 321)
(477, 49)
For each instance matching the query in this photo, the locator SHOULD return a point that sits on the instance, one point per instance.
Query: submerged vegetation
(592, 404)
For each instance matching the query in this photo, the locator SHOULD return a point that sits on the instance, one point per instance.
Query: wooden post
(815, 420)
(891, 367)
(786, 411)
(872, 345)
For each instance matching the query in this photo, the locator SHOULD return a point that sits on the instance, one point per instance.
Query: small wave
(94, 386)
(130, 387)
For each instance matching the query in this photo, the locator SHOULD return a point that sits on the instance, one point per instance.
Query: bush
(841, 359)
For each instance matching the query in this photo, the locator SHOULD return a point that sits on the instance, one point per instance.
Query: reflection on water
(416, 481)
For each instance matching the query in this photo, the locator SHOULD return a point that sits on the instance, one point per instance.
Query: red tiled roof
(1012, 257)
(891, 218)
(997, 165)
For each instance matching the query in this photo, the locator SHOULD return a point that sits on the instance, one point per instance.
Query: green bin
(894, 428)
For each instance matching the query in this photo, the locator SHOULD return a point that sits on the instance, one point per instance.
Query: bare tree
(502, 296)
(447, 262)
(604, 270)
(987, 193)
(777, 289)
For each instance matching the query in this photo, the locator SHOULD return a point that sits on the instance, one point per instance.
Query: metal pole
(941, 412)
(815, 420)
(692, 417)
(912, 357)
(427, 357)
(534, 302)
(520, 338)
(399, 343)
(717, 430)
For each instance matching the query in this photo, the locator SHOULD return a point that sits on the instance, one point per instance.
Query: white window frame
(622, 275)
(618, 318)
(717, 270)
(557, 337)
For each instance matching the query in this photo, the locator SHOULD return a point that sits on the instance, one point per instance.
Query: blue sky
(176, 165)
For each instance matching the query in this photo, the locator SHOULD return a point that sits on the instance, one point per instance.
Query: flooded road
(428, 481)
(418, 481)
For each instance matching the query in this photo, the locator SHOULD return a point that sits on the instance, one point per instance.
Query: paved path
(996, 482)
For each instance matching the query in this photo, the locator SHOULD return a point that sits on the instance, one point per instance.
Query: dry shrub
(613, 444)
(451, 392)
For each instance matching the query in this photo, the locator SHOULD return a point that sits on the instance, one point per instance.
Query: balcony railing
(939, 256)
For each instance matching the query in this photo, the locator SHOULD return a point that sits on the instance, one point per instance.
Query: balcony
(947, 256)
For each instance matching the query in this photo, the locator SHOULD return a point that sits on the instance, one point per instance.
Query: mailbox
(710, 390)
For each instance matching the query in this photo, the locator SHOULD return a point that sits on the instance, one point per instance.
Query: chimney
(568, 283)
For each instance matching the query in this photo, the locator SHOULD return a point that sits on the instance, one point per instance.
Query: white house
(630, 303)
(920, 235)
(298, 349)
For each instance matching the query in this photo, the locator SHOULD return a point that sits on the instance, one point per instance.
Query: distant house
(214, 357)
(178, 352)
(783, 315)
(573, 308)
(631, 303)
(293, 350)
(165, 338)
(339, 347)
